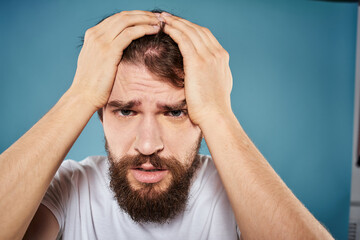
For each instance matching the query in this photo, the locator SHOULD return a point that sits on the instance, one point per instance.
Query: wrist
(72, 103)
(219, 119)
(78, 98)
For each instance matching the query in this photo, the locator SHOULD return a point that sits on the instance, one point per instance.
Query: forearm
(28, 166)
(264, 206)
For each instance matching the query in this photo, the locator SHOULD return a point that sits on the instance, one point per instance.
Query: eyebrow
(123, 104)
(172, 107)
(130, 104)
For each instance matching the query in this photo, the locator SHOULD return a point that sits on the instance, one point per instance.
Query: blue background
(293, 67)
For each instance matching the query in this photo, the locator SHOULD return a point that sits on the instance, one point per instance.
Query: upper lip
(148, 166)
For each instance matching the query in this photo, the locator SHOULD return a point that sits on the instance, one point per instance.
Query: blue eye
(124, 112)
(176, 113)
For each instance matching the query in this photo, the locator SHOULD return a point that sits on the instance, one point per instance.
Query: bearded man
(160, 84)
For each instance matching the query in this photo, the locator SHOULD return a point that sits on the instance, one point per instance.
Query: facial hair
(150, 203)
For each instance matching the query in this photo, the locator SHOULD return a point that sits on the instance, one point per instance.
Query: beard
(151, 202)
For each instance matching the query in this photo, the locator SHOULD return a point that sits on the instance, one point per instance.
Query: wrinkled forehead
(135, 82)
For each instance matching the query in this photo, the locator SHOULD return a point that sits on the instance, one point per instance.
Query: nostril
(148, 147)
(148, 140)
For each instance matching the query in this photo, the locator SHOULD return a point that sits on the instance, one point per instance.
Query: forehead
(134, 82)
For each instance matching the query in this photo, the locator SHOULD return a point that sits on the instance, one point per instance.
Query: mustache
(134, 161)
(154, 159)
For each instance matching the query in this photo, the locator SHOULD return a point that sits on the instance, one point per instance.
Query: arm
(263, 205)
(27, 167)
(44, 225)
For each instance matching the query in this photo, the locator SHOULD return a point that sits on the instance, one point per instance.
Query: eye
(124, 112)
(177, 113)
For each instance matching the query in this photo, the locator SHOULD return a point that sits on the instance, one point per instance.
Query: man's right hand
(29, 165)
(102, 51)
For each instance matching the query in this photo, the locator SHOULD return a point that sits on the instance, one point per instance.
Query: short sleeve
(57, 196)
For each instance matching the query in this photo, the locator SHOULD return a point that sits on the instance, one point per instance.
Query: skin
(263, 205)
(147, 127)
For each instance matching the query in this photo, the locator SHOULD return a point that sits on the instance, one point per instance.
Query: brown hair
(160, 54)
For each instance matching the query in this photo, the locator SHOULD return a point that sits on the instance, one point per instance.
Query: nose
(148, 139)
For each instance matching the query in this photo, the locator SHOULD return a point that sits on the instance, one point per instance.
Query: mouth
(149, 170)
(148, 174)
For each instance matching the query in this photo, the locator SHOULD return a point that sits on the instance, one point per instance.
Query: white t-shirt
(81, 200)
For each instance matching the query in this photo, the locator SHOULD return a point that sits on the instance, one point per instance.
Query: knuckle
(128, 32)
(205, 29)
(147, 18)
(212, 59)
(142, 18)
(221, 53)
(224, 53)
(89, 34)
(92, 38)
(118, 15)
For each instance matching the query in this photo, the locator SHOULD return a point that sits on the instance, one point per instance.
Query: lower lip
(148, 177)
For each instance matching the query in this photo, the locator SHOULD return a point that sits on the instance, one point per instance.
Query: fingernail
(157, 27)
(159, 17)
(166, 14)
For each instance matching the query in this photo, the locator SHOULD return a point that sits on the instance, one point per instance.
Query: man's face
(151, 143)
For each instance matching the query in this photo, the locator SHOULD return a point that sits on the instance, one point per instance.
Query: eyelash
(168, 113)
(182, 111)
(119, 112)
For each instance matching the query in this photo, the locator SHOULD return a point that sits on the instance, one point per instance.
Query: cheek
(181, 140)
(118, 135)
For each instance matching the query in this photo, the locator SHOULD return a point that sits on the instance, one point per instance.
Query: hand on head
(208, 79)
(102, 51)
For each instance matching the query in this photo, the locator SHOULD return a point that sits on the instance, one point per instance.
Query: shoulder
(74, 177)
(207, 178)
(208, 201)
(90, 167)
(87, 164)
(207, 168)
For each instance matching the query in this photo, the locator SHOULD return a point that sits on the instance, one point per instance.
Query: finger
(131, 33)
(200, 41)
(205, 33)
(198, 28)
(120, 21)
(121, 24)
(211, 42)
(213, 46)
(185, 44)
(211, 38)
(111, 18)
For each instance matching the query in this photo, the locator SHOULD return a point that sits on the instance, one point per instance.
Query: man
(153, 126)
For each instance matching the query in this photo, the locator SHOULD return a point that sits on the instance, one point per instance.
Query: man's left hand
(208, 80)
